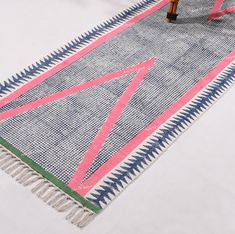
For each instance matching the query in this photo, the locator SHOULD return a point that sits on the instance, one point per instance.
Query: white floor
(190, 190)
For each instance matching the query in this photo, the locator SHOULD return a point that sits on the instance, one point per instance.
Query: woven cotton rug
(85, 121)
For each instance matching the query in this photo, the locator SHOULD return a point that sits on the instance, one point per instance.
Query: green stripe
(49, 176)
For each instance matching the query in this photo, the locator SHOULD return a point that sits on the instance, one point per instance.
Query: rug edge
(79, 211)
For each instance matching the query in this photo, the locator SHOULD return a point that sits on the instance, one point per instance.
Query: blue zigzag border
(152, 149)
(71, 47)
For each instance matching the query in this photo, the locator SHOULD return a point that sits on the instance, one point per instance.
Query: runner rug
(85, 121)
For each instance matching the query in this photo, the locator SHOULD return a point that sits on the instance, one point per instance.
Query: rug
(82, 123)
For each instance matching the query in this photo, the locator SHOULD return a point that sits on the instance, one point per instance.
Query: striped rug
(86, 120)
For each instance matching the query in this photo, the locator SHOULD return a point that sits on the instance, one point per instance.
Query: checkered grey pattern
(57, 135)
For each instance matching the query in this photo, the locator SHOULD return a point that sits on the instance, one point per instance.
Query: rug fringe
(76, 213)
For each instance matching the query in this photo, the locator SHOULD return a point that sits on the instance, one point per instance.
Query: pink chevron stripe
(217, 13)
(31, 84)
(84, 188)
(59, 95)
(106, 129)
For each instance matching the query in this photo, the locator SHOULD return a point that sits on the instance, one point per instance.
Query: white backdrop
(190, 190)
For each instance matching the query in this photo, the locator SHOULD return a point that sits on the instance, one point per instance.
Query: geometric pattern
(153, 147)
(96, 145)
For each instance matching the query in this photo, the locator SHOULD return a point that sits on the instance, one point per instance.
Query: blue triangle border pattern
(151, 150)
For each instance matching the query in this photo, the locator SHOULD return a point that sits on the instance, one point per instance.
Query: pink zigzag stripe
(217, 13)
(59, 95)
(109, 124)
(136, 141)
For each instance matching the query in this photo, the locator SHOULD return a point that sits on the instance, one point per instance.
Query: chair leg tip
(171, 17)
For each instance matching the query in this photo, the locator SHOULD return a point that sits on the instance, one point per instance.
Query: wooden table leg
(171, 14)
